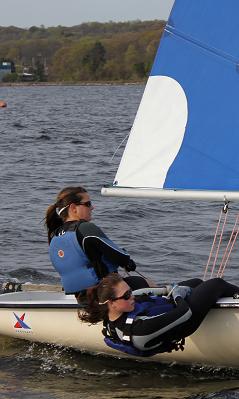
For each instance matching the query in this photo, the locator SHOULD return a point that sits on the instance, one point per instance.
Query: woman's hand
(180, 291)
(131, 266)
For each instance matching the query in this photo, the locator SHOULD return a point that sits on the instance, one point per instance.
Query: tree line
(89, 52)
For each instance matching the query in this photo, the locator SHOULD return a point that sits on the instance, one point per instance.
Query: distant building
(6, 67)
(27, 74)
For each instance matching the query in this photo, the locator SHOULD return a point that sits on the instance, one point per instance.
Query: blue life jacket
(71, 262)
(159, 306)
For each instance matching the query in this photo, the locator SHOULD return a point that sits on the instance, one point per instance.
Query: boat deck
(38, 299)
(45, 299)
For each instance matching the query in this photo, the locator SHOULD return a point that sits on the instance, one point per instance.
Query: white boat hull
(50, 317)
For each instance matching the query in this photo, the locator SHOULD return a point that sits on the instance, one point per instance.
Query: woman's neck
(114, 315)
(72, 219)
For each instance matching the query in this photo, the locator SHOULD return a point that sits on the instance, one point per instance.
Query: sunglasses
(126, 296)
(88, 204)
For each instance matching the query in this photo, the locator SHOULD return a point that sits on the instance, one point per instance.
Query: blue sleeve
(163, 323)
(97, 245)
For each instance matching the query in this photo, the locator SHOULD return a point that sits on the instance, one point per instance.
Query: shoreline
(102, 83)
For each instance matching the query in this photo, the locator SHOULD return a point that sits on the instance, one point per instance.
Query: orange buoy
(3, 104)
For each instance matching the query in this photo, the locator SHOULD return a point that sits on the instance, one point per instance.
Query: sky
(27, 13)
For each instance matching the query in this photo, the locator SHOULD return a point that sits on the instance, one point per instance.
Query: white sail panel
(156, 135)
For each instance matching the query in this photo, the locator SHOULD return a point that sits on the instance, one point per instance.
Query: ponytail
(94, 312)
(98, 298)
(52, 220)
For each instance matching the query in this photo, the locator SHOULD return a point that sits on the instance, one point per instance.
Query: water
(55, 136)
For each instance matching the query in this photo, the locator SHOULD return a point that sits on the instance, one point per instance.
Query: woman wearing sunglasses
(79, 250)
(145, 325)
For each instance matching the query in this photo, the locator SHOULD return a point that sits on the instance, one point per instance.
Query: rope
(231, 242)
(140, 274)
(218, 246)
(229, 247)
(213, 245)
(154, 285)
(117, 149)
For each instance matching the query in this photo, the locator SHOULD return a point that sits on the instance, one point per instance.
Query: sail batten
(185, 137)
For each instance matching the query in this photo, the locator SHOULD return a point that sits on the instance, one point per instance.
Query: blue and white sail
(185, 138)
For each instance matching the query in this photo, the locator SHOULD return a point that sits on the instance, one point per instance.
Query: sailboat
(188, 108)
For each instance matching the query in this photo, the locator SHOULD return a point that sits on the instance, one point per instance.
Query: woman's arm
(97, 245)
(163, 323)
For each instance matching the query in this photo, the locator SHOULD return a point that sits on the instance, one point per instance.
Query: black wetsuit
(180, 322)
(95, 249)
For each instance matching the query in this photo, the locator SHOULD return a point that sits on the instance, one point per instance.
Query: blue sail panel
(199, 58)
(211, 22)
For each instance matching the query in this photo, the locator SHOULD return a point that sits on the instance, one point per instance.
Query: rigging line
(218, 246)
(232, 245)
(227, 247)
(151, 283)
(223, 270)
(148, 280)
(213, 50)
(117, 149)
(213, 244)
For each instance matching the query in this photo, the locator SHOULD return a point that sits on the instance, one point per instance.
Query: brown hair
(65, 197)
(96, 309)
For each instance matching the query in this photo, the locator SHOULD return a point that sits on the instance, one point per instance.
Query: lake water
(55, 136)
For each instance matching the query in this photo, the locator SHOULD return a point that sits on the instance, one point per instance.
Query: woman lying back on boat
(79, 250)
(144, 325)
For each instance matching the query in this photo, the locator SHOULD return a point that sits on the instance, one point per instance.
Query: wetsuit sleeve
(150, 327)
(85, 229)
(92, 240)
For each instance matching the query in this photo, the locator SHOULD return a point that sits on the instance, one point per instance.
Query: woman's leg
(205, 295)
(192, 283)
(201, 300)
(136, 282)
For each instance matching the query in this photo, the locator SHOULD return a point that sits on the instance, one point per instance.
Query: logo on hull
(20, 324)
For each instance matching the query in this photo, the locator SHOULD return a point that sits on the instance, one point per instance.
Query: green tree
(95, 58)
(11, 77)
(131, 55)
(139, 69)
(40, 72)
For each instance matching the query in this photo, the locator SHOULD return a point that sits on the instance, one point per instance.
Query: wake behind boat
(52, 317)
